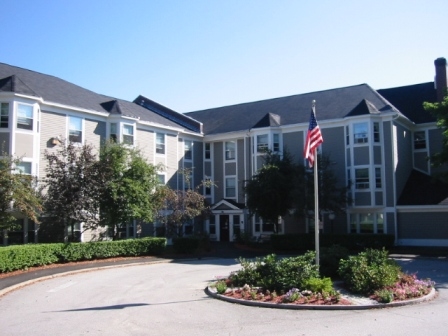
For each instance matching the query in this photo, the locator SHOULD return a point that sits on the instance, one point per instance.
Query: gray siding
(145, 143)
(435, 139)
(52, 125)
(362, 199)
(170, 160)
(24, 145)
(293, 144)
(388, 164)
(197, 163)
(230, 168)
(348, 157)
(390, 223)
(420, 161)
(208, 168)
(422, 225)
(377, 155)
(95, 133)
(240, 169)
(379, 198)
(333, 146)
(218, 157)
(361, 155)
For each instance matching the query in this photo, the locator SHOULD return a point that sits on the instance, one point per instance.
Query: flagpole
(316, 201)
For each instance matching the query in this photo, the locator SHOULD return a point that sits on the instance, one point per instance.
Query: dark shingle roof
(269, 120)
(421, 189)
(330, 104)
(59, 91)
(409, 100)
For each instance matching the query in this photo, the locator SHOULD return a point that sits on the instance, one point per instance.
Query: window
(262, 143)
(212, 225)
(207, 151)
(128, 135)
(360, 133)
(4, 115)
(24, 168)
(367, 223)
(419, 140)
(113, 136)
(376, 132)
(207, 187)
(362, 178)
(160, 143)
(230, 187)
(276, 143)
(347, 136)
(378, 183)
(257, 223)
(230, 150)
(188, 146)
(25, 117)
(236, 225)
(161, 178)
(75, 129)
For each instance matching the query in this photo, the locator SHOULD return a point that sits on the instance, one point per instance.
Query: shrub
(318, 285)
(384, 295)
(23, 256)
(221, 286)
(330, 258)
(272, 274)
(369, 271)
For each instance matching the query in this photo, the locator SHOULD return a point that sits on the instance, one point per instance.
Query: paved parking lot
(168, 299)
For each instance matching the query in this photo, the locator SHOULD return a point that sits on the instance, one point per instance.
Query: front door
(224, 226)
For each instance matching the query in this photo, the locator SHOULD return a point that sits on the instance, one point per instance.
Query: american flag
(313, 139)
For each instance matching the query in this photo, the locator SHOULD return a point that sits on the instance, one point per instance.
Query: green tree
(72, 187)
(18, 194)
(270, 192)
(440, 111)
(131, 187)
(183, 206)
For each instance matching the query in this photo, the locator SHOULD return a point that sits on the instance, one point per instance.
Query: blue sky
(196, 54)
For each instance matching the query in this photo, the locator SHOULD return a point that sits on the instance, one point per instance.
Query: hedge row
(21, 257)
(353, 242)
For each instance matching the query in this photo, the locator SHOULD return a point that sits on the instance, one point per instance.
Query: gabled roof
(55, 90)
(409, 100)
(330, 104)
(421, 189)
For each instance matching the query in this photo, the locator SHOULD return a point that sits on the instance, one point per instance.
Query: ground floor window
(367, 223)
(262, 226)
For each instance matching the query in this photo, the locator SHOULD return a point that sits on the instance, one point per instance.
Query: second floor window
(113, 135)
(230, 150)
(230, 187)
(207, 151)
(4, 117)
(362, 178)
(262, 143)
(188, 146)
(419, 140)
(160, 143)
(276, 143)
(128, 135)
(75, 129)
(25, 116)
(360, 133)
(376, 132)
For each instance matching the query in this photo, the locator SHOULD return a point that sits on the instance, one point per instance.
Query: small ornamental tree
(183, 206)
(18, 194)
(440, 111)
(131, 187)
(269, 192)
(72, 187)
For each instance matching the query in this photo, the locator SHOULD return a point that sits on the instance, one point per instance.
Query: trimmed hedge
(21, 257)
(353, 242)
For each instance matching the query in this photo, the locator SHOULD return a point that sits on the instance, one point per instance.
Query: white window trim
(225, 186)
(82, 129)
(155, 144)
(16, 117)
(355, 168)
(6, 129)
(211, 151)
(134, 134)
(191, 150)
(368, 132)
(375, 222)
(225, 151)
(420, 150)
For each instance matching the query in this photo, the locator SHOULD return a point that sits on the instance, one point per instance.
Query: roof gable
(364, 107)
(422, 189)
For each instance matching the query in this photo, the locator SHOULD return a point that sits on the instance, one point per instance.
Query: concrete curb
(212, 293)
